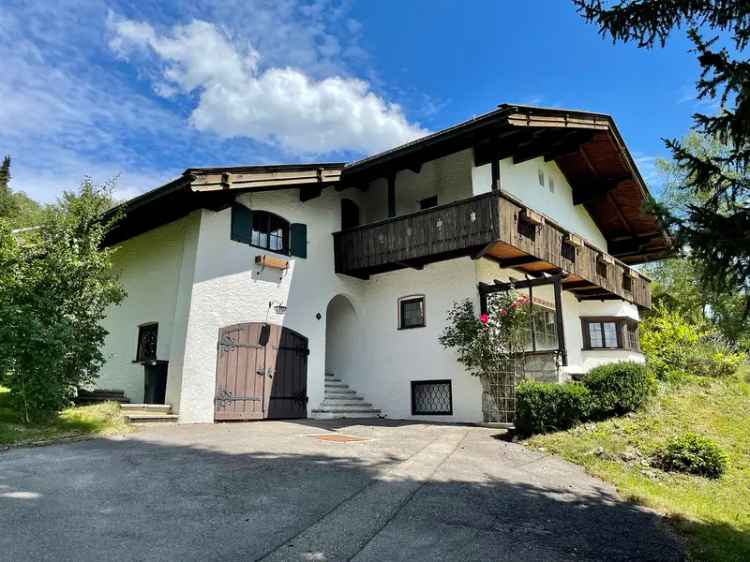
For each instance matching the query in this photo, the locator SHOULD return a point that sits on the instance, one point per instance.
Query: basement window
(431, 398)
(147, 339)
(411, 312)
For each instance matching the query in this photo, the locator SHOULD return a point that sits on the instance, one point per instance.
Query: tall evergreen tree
(8, 205)
(717, 231)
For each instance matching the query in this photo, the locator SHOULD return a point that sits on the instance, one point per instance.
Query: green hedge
(608, 390)
(617, 388)
(542, 407)
(693, 454)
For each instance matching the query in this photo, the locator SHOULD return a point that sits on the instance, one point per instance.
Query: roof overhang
(587, 147)
(215, 189)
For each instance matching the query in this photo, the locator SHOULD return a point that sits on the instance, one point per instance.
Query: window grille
(431, 398)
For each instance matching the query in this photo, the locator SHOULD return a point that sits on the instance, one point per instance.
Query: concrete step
(339, 391)
(328, 403)
(146, 408)
(150, 418)
(336, 385)
(324, 415)
(347, 410)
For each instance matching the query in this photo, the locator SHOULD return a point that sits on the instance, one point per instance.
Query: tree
(56, 284)
(678, 282)
(18, 208)
(714, 231)
(7, 204)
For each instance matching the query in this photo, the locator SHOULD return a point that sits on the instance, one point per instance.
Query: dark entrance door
(349, 214)
(155, 378)
(261, 373)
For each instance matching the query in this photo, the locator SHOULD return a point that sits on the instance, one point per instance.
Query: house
(321, 289)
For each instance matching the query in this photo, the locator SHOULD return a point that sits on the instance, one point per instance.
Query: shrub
(667, 339)
(676, 346)
(543, 407)
(617, 388)
(692, 454)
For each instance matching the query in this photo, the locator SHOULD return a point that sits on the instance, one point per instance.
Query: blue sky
(143, 90)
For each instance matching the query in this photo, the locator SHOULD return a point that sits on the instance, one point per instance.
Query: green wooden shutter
(242, 224)
(298, 240)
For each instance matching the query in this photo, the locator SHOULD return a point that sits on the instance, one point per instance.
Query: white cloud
(279, 105)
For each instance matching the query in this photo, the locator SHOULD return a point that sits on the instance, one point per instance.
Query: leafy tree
(56, 283)
(715, 230)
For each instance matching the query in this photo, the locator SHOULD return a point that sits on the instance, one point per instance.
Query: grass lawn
(100, 418)
(714, 515)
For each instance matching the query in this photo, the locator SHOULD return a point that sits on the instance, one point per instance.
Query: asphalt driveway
(277, 491)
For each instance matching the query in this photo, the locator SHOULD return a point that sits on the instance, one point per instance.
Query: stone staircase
(148, 413)
(340, 401)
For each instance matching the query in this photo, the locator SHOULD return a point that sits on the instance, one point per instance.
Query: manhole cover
(339, 438)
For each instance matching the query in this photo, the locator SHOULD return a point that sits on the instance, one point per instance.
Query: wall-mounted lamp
(278, 307)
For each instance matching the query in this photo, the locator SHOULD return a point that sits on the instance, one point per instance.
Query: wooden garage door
(261, 373)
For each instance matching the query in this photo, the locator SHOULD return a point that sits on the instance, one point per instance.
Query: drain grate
(339, 438)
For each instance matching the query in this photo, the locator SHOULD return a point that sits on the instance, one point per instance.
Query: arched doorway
(342, 337)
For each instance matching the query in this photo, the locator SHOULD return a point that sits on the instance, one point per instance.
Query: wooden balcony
(494, 226)
(457, 229)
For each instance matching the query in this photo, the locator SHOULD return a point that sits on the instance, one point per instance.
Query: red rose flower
(484, 318)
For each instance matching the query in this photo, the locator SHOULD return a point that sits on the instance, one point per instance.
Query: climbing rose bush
(487, 342)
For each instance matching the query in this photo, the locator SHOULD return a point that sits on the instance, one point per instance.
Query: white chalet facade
(247, 285)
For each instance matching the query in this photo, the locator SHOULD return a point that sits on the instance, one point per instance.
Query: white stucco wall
(150, 268)
(392, 358)
(229, 288)
(522, 182)
(448, 177)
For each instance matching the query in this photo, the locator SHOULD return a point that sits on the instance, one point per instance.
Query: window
(551, 184)
(428, 202)
(610, 333)
(542, 330)
(270, 232)
(540, 175)
(431, 398)
(411, 312)
(147, 338)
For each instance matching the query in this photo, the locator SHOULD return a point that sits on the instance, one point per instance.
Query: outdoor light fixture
(278, 307)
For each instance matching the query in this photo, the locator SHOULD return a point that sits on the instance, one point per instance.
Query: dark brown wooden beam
(392, 194)
(568, 145)
(521, 260)
(569, 285)
(596, 190)
(601, 297)
(309, 192)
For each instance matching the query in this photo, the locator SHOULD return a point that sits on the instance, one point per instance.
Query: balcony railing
(456, 229)
(494, 225)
